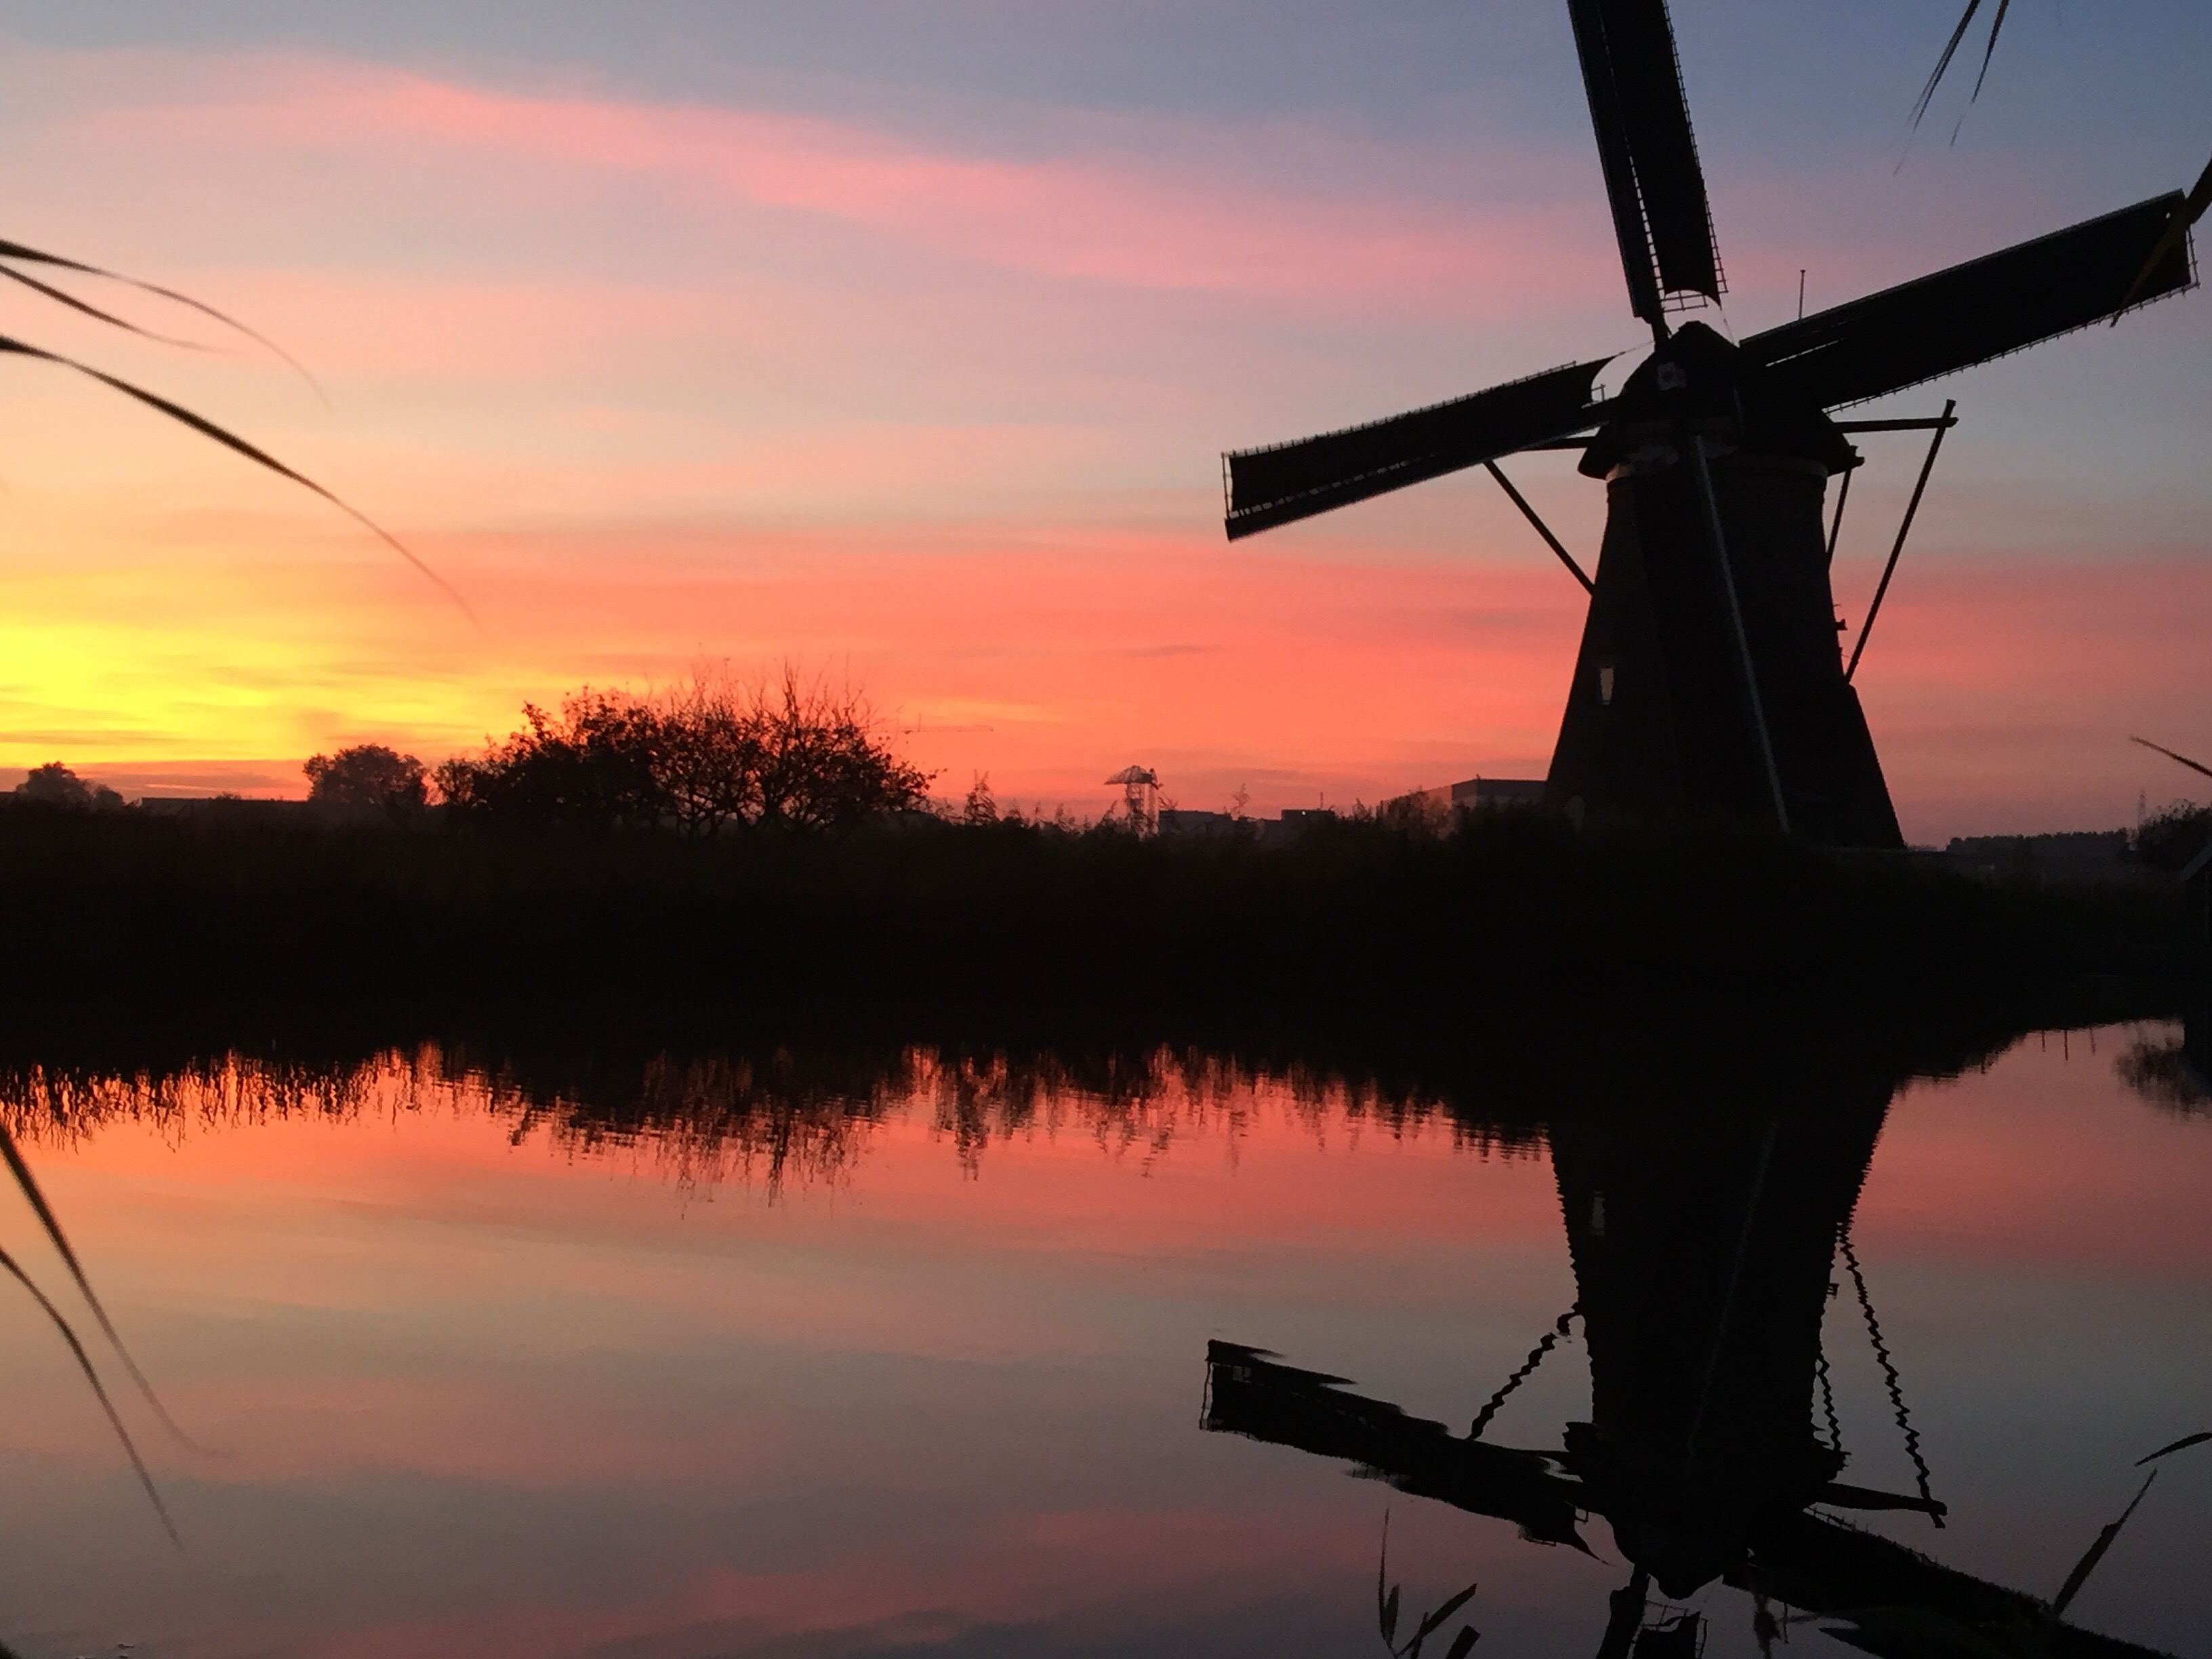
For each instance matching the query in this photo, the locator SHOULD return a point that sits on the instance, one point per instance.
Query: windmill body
(1709, 684)
(1715, 556)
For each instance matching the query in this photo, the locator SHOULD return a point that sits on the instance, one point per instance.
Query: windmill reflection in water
(1705, 1248)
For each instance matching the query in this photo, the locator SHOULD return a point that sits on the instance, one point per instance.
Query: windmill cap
(1698, 378)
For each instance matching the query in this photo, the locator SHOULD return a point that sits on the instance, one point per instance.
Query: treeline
(705, 759)
(711, 757)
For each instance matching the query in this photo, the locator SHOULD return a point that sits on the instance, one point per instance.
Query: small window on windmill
(1605, 683)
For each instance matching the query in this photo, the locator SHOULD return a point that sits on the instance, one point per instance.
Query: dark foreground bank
(128, 913)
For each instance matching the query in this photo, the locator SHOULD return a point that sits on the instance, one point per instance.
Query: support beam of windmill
(1709, 684)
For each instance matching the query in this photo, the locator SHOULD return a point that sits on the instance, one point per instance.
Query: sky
(900, 343)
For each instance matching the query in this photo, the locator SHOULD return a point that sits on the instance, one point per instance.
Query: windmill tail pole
(1911, 507)
(1736, 621)
(1542, 529)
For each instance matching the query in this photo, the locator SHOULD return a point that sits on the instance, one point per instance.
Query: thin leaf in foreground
(17, 250)
(231, 441)
(62, 297)
(1943, 64)
(2182, 1444)
(27, 1184)
(2088, 1563)
(2194, 766)
(8, 1264)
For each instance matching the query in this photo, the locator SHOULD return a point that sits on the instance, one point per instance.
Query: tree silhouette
(368, 774)
(55, 785)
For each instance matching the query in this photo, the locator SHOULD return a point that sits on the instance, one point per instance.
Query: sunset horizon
(915, 371)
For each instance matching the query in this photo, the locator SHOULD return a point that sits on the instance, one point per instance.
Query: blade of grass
(8, 1264)
(1989, 50)
(2182, 1444)
(2194, 766)
(27, 1184)
(1435, 1621)
(34, 256)
(230, 440)
(1386, 1599)
(2088, 1563)
(1943, 64)
(62, 297)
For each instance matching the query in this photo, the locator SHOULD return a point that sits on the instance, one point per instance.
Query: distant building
(1295, 821)
(1180, 821)
(2089, 855)
(1476, 795)
(183, 806)
(1497, 794)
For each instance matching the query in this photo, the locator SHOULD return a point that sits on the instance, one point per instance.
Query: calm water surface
(919, 1364)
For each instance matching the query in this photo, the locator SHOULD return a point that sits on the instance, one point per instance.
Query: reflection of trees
(2177, 1075)
(704, 1108)
(701, 1122)
(771, 1117)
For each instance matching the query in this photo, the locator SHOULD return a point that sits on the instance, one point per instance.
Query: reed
(121, 910)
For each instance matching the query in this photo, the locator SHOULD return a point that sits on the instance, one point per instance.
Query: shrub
(367, 775)
(2174, 836)
(592, 764)
(55, 785)
(709, 758)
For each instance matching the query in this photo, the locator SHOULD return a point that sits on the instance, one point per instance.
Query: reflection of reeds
(767, 1120)
(1387, 1601)
(705, 1105)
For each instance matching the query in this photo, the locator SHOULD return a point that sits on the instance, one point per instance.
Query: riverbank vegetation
(765, 846)
(127, 908)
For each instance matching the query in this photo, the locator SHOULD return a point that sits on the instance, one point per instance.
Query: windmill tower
(1140, 798)
(1708, 682)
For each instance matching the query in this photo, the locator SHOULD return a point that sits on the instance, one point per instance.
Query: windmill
(1708, 682)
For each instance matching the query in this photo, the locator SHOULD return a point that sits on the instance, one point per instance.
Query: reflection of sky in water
(479, 1386)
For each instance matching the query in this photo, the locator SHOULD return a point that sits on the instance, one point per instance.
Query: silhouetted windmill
(1708, 682)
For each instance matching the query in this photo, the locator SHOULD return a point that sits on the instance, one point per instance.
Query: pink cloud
(1180, 221)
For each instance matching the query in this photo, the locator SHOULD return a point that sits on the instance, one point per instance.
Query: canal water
(924, 1355)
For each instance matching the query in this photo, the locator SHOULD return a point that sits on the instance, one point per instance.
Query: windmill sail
(1289, 482)
(1986, 309)
(1652, 179)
